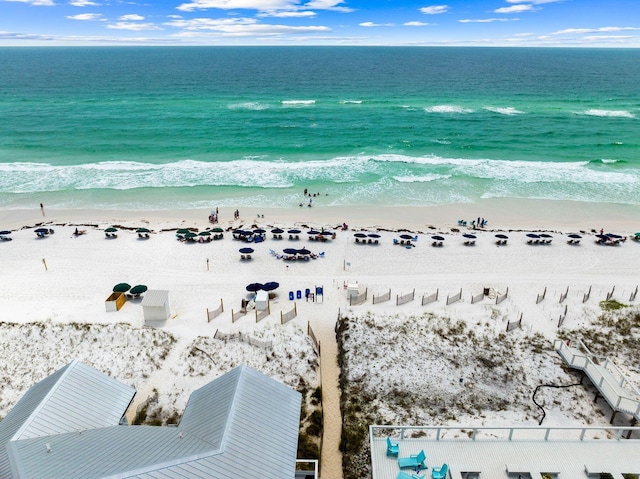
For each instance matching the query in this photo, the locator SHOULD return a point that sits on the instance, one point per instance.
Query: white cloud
(267, 6)
(289, 14)
(435, 9)
(85, 16)
(327, 5)
(488, 20)
(260, 5)
(371, 24)
(83, 3)
(136, 27)
(131, 18)
(236, 27)
(37, 3)
(416, 24)
(534, 2)
(573, 31)
(515, 9)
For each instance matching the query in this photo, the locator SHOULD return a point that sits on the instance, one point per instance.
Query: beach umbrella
(501, 236)
(611, 235)
(42, 230)
(294, 232)
(121, 288)
(360, 235)
(304, 251)
(110, 230)
(532, 235)
(637, 235)
(217, 229)
(437, 238)
(289, 251)
(545, 235)
(326, 233)
(204, 233)
(183, 231)
(373, 235)
(5, 232)
(277, 231)
(574, 236)
(190, 235)
(143, 230)
(602, 237)
(253, 287)
(405, 236)
(313, 232)
(469, 235)
(270, 286)
(259, 231)
(138, 289)
(246, 250)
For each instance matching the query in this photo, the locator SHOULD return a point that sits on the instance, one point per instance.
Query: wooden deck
(509, 453)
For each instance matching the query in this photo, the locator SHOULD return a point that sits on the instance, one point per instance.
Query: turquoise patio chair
(393, 448)
(440, 472)
(414, 461)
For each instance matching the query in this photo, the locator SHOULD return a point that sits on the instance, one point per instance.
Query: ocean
(197, 127)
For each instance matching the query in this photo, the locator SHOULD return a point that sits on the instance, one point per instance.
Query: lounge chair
(404, 475)
(414, 461)
(393, 448)
(395, 241)
(440, 472)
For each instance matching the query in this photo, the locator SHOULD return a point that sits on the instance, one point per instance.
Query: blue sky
(579, 23)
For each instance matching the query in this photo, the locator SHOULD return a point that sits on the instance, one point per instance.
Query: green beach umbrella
(138, 289)
(217, 230)
(143, 230)
(183, 231)
(190, 235)
(110, 230)
(204, 233)
(121, 288)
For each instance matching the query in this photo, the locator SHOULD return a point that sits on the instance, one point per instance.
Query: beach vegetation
(612, 305)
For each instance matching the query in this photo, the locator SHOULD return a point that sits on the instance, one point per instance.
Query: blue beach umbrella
(246, 250)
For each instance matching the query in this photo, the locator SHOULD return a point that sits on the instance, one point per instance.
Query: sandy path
(331, 459)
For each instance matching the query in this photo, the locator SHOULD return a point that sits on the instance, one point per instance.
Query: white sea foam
(509, 110)
(420, 178)
(447, 109)
(248, 105)
(607, 113)
(347, 102)
(298, 102)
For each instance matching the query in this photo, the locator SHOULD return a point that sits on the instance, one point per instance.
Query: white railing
(487, 433)
(583, 359)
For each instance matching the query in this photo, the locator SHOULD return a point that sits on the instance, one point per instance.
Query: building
(71, 425)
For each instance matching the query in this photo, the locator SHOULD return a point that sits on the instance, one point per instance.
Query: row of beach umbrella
(126, 287)
(270, 286)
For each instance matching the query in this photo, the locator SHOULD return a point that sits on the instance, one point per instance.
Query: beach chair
(242, 257)
(299, 294)
(414, 461)
(290, 295)
(321, 254)
(393, 448)
(404, 475)
(395, 241)
(440, 472)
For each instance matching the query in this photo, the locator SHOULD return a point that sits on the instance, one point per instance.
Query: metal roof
(155, 297)
(74, 398)
(243, 423)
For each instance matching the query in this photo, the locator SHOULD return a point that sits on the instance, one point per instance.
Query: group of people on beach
(479, 223)
(213, 217)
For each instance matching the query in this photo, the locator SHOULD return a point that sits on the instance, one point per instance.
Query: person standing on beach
(42, 209)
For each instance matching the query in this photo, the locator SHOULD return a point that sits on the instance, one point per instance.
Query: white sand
(81, 272)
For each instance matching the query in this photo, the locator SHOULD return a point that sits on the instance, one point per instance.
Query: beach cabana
(42, 232)
(155, 305)
(469, 239)
(574, 238)
(373, 238)
(360, 236)
(533, 238)
(277, 233)
(143, 233)
(501, 239)
(636, 236)
(245, 253)
(4, 235)
(111, 232)
(546, 238)
(437, 240)
(218, 233)
(294, 234)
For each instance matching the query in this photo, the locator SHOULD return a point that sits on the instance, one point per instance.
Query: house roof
(224, 432)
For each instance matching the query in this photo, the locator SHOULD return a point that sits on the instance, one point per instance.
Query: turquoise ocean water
(155, 127)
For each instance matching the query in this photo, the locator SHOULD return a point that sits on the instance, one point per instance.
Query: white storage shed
(155, 305)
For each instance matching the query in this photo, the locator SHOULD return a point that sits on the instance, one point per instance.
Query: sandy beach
(63, 279)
